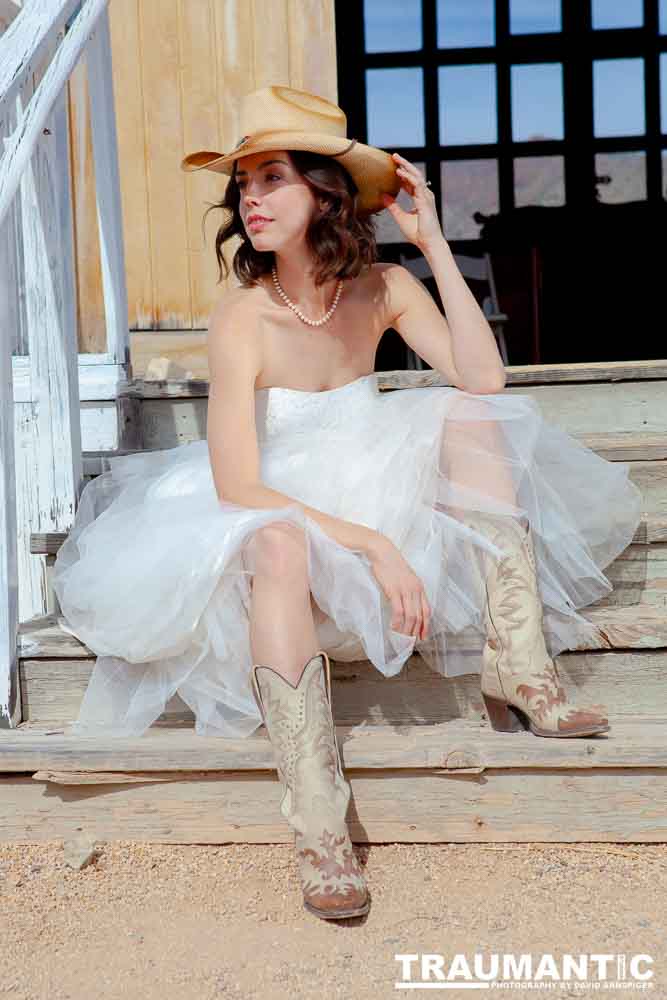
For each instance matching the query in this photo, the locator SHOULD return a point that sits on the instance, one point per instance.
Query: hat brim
(372, 169)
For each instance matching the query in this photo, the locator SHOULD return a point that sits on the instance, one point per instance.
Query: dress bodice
(282, 413)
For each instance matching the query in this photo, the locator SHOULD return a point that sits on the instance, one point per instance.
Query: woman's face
(270, 186)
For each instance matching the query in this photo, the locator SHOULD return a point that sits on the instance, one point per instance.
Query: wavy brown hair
(342, 238)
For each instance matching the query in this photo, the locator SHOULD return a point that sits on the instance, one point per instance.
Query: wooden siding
(180, 68)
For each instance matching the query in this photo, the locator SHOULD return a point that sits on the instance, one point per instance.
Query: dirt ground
(153, 921)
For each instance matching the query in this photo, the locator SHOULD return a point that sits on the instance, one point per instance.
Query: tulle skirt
(154, 575)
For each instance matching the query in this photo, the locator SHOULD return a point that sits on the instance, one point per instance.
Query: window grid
(576, 47)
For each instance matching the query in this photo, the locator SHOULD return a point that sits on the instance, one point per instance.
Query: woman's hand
(420, 225)
(403, 588)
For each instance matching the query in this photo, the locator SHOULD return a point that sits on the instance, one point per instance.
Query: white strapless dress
(152, 576)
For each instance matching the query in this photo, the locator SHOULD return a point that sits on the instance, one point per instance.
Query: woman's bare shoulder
(397, 282)
(387, 270)
(237, 302)
(385, 275)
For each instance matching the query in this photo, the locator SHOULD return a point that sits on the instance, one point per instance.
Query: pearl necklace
(295, 308)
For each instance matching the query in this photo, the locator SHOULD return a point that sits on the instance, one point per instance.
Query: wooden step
(638, 575)
(172, 413)
(454, 781)
(624, 668)
(163, 412)
(181, 355)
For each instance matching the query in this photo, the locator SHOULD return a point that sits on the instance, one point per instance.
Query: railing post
(11, 323)
(41, 477)
(10, 706)
(107, 188)
(50, 473)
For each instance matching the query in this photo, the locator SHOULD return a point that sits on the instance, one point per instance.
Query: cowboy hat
(278, 117)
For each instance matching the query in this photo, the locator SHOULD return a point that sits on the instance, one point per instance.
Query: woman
(322, 518)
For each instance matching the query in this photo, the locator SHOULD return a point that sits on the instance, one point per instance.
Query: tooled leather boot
(300, 726)
(520, 683)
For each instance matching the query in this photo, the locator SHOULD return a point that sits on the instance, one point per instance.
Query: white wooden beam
(11, 328)
(10, 710)
(38, 316)
(49, 473)
(99, 378)
(107, 188)
(27, 39)
(20, 145)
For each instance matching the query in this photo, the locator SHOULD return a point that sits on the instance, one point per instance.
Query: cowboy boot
(316, 795)
(520, 683)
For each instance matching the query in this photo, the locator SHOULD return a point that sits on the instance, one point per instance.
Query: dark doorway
(544, 136)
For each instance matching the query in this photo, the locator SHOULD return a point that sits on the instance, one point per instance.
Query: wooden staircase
(423, 763)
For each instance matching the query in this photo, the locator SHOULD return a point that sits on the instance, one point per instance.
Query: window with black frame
(536, 122)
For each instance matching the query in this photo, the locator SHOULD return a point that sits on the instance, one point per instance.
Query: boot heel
(501, 715)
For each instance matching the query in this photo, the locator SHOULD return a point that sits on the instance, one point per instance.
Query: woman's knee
(279, 549)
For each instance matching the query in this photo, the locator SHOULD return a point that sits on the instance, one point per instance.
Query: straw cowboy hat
(284, 118)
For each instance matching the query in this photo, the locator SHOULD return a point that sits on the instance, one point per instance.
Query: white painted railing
(42, 377)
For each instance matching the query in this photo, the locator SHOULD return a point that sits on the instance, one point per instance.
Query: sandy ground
(153, 921)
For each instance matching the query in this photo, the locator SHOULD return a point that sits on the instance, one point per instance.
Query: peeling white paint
(41, 423)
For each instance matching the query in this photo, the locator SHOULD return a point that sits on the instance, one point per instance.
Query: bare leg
(282, 628)
(477, 459)
(517, 671)
(299, 721)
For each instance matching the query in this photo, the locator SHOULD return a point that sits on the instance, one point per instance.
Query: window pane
(395, 107)
(618, 97)
(466, 24)
(392, 25)
(386, 230)
(467, 104)
(468, 186)
(612, 14)
(627, 177)
(537, 102)
(663, 17)
(539, 180)
(533, 16)
(663, 91)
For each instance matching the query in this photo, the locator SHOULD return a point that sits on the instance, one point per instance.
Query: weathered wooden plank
(107, 190)
(11, 317)
(312, 47)
(176, 414)
(625, 668)
(9, 9)
(126, 47)
(91, 325)
(616, 805)
(633, 446)
(163, 111)
(272, 51)
(584, 372)
(37, 55)
(49, 470)
(651, 478)
(200, 97)
(172, 345)
(26, 42)
(639, 576)
(585, 408)
(626, 681)
(635, 742)
(624, 627)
